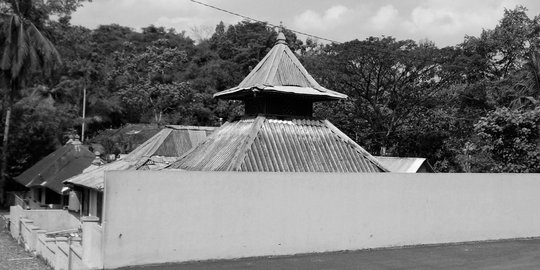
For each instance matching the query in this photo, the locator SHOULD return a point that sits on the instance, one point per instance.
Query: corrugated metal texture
(148, 147)
(65, 162)
(94, 178)
(271, 145)
(289, 73)
(172, 141)
(280, 67)
(303, 146)
(42, 165)
(176, 143)
(73, 167)
(404, 164)
(220, 150)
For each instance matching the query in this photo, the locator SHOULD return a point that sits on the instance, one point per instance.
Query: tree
(497, 53)
(246, 43)
(24, 51)
(528, 87)
(507, 141)
(41, 120)
(388, 82)
(85, 68)
(146, 80)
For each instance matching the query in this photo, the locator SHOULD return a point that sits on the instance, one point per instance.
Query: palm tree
(24, 50)
(528, 90)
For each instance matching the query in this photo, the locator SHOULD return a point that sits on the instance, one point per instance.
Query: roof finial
(281, 37)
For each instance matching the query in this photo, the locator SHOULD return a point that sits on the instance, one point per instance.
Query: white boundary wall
(172, 216)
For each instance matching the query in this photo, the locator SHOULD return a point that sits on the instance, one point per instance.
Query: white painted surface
(92, 203)
(34, 239)
(158, 217)
(49, 220)
(91, 246)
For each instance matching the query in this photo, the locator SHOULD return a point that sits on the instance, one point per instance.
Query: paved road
(13, 256)
(515, 254)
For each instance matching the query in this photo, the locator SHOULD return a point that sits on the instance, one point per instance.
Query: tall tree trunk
(3, 168)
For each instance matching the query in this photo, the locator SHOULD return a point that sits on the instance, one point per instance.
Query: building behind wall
(156, 153)
(44, 179)
(278, 132)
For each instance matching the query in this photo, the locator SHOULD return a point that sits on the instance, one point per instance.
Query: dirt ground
(514, 254)
(13, 256)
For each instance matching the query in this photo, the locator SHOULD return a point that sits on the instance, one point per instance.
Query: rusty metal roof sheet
(274, 145)
(280, 72)
(172, 141)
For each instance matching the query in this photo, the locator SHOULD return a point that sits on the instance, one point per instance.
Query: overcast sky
(445, 22)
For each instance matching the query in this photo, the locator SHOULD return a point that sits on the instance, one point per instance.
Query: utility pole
(83, 114)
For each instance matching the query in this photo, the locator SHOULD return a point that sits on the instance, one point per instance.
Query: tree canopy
(468, 107)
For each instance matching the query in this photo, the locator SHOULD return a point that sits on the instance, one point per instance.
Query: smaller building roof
(405, 164)
(172, 141)
(67, 161)
(282, 73)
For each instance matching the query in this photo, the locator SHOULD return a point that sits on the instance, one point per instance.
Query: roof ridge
(183, 127)
(253, 72)
(358, 148)
(239, 158)
(272, 72)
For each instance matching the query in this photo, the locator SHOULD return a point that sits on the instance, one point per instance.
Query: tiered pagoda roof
(280, 72)
(278, 133)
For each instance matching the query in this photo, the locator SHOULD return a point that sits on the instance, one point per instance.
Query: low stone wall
(92, 233)
(46, 248)
(58, 252)
(53, 220)
(15, 214)
(63, 256)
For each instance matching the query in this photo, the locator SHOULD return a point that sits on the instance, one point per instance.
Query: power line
(256, 20)
(364, 46)
(367, 47)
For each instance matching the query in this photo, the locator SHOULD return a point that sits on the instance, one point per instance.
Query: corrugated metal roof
(404, 164)
(94, 178)
(274, 145)
(172, 141)
(67, 161)
(280, 72)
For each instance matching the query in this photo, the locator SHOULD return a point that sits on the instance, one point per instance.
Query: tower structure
(278, 132)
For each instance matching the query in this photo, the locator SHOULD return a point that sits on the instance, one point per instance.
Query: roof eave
(243, 93)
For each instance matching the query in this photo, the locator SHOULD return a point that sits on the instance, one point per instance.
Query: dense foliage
(469, 107)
